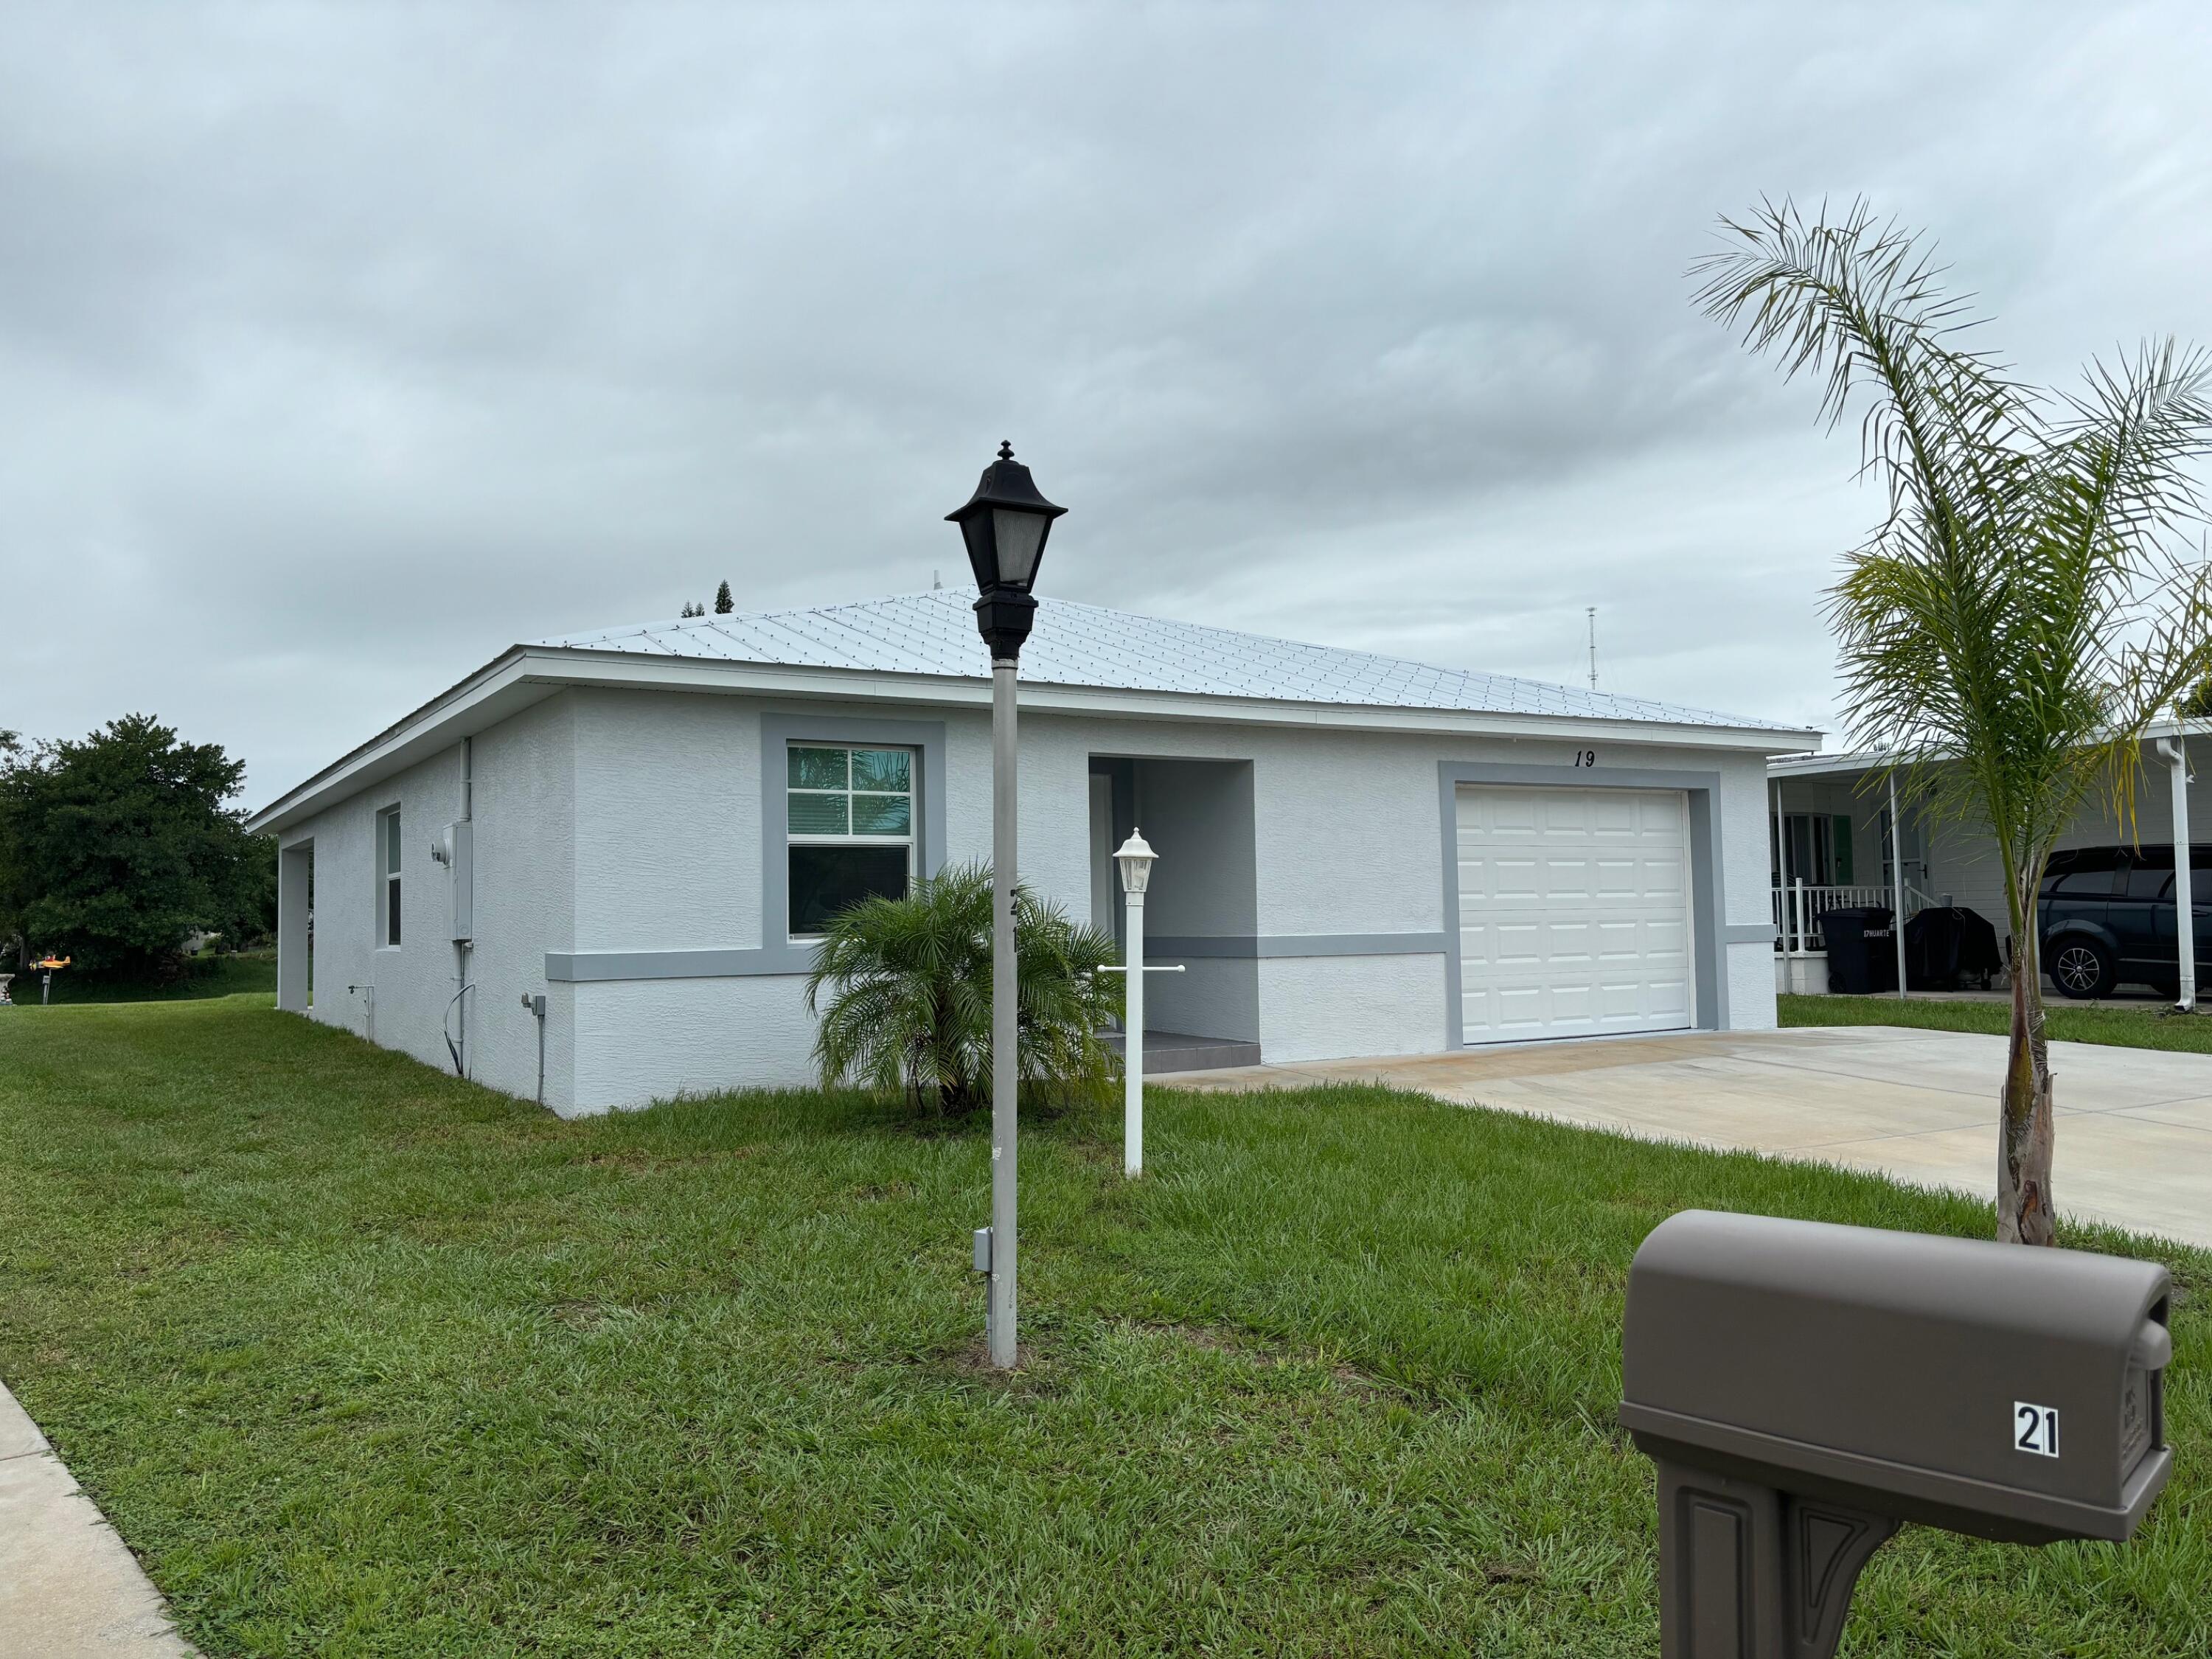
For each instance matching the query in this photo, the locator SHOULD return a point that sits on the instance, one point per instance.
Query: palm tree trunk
(2024, 1132)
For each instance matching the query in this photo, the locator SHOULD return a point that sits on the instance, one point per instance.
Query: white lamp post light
(1004, 525)
(1135, 858)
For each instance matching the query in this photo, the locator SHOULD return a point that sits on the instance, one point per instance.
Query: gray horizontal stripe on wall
(1247, 946)
(584, 967)
(1749, 932)
(580, 967)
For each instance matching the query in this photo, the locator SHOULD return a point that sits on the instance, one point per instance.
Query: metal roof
(1086, 644)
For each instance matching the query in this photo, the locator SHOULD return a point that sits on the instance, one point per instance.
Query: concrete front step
(1178, 1051)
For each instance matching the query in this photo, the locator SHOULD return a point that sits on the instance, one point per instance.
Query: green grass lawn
(2148, 1027)
(226, 976)
(362, 1360)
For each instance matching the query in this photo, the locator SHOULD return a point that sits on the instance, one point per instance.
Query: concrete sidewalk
(69, 1588)
(2133, 1125)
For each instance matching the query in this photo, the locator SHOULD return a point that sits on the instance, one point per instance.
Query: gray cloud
(339, 349)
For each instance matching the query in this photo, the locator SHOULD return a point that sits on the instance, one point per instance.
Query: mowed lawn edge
(363, 1359)
(2150, 1026)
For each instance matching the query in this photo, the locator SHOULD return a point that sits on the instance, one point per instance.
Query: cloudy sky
(341, 347)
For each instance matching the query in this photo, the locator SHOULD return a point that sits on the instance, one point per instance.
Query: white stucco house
(1358, 856)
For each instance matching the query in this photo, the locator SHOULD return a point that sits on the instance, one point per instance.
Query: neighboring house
(1358, 856)
(1829, 846)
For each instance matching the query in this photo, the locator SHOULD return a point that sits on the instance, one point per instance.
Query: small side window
(387, 864)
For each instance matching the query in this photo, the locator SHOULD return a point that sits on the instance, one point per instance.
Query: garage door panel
(1565, 814)
(1570, 945)
(1575, 1002)
(1616, 817)
(1569, 879)
(1574, 914)
(1517, 945)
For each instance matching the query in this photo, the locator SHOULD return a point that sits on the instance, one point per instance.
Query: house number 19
(1586, 757)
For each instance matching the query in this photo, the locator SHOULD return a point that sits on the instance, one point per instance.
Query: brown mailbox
(1804, 1388)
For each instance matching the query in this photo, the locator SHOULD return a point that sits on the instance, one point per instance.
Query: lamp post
(1135, 858)
(1004, 525)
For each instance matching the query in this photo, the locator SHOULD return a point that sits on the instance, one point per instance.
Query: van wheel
(2082, 969)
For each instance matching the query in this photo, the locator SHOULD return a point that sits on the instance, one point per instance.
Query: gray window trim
(776, 954)
(1709, 935)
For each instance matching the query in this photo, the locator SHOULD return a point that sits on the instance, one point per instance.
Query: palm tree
(2020, 615)
(910, 994)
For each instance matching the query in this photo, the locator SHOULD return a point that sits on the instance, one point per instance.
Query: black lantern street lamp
(1004, 525)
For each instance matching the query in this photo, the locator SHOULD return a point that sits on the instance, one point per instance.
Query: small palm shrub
(909, 1003)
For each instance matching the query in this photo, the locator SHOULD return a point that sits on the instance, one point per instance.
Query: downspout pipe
(2175, 752)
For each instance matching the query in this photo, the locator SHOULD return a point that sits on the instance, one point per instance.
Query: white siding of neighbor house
(631, 820)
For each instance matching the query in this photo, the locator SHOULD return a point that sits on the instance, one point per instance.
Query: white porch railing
(1799, 907)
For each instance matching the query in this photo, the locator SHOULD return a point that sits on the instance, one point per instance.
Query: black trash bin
(1862, 951)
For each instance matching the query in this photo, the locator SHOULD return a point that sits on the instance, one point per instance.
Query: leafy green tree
(910, 995)
(116, 846)
(723, 603)
(2023, 612)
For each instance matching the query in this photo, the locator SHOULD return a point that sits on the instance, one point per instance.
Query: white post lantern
(1135, 858)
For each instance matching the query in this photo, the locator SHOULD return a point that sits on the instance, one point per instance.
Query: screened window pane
(819, 815)
(391, 911)
(825, 880)
(881, 815)
(817, 769)
(887, 771)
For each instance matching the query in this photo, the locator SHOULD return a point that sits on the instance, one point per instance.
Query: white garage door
(1574, 912)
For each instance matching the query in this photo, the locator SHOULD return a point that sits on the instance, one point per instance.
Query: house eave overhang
(529, 673)
(1856, 762)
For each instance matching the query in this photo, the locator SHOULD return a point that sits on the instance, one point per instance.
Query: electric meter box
(457, 850)
(2009, 1392)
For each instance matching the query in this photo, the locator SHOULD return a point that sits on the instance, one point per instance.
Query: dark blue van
(2106, 918)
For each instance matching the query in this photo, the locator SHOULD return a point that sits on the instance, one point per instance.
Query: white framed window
(387, 876)
(848, 820)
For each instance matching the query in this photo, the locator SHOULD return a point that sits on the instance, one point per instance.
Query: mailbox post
(1804, 1388)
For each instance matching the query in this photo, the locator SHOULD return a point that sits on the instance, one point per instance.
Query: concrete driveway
(2133, 1132)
